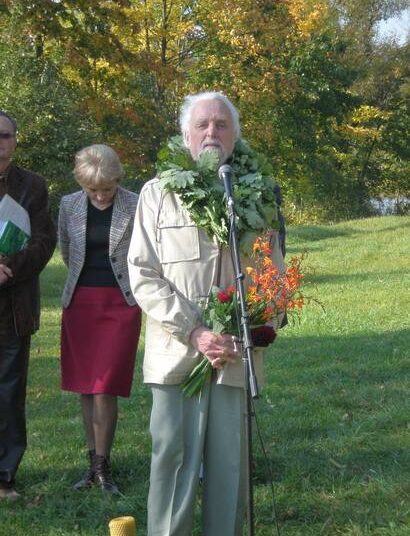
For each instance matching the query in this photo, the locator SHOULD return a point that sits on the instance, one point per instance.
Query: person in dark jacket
(19, 302)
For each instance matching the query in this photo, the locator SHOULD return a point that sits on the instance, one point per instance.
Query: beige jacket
(173, 266)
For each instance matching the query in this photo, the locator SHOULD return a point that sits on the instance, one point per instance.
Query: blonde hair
(97, 165)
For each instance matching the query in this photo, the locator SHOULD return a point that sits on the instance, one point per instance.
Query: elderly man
(174, 261)
(19, 302)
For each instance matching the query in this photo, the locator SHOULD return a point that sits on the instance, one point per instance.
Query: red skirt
(99, 339)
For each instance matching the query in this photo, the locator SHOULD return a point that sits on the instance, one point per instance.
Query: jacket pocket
(178, 238)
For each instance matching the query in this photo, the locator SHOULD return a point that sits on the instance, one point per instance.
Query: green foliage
(202, 193)
(50, 126)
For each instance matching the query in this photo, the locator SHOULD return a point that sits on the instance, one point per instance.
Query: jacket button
(127, 292)
(119, 276)
(114, 259)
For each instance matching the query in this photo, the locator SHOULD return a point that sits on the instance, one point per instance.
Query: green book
(12, 238)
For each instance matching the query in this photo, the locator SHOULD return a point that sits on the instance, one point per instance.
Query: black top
(97, 271)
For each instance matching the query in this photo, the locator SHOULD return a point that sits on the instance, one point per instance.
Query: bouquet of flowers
(270, 294)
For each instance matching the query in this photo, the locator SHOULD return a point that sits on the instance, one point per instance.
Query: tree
(286, 72)
(50, 126)
(315, 91)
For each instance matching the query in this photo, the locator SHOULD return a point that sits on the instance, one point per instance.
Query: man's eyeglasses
(6, 135)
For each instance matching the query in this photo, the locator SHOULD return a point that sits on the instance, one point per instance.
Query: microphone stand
(251, 385)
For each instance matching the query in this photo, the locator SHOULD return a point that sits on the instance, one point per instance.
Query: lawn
(333, 414)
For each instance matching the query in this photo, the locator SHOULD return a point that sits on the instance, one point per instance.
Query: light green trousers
(188, 431)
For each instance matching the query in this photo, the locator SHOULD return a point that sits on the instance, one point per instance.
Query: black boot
(103, 476)
(88, 479)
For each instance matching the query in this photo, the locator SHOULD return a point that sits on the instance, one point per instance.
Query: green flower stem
(200, 375)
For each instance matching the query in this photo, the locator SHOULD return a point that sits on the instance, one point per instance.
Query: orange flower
(268, 313)
(261, 245)
(273, 292)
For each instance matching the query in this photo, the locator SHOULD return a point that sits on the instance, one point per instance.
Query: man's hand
(5, 274)
(215, 347)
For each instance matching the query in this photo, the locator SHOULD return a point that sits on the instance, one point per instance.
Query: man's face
(7, 140)
(210, 128)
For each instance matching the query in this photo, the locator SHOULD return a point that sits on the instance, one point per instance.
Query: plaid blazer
(72, 226)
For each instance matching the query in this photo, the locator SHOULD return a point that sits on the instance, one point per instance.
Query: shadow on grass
(354, 278)
(316, 233)
(333, 410)
(50, 506)
(130, 471)
(333, 416)
(313, 233)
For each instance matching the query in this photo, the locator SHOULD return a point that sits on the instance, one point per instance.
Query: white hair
(191, 101)
(97, 165)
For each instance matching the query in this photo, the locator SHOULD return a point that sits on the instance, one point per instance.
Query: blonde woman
(101, 320)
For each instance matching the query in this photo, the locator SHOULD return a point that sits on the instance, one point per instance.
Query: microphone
(225, 174)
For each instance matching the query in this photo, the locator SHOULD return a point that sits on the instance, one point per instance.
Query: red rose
(223, 296)
(263, 335)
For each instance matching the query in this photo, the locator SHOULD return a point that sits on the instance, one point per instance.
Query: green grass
(334, 413)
